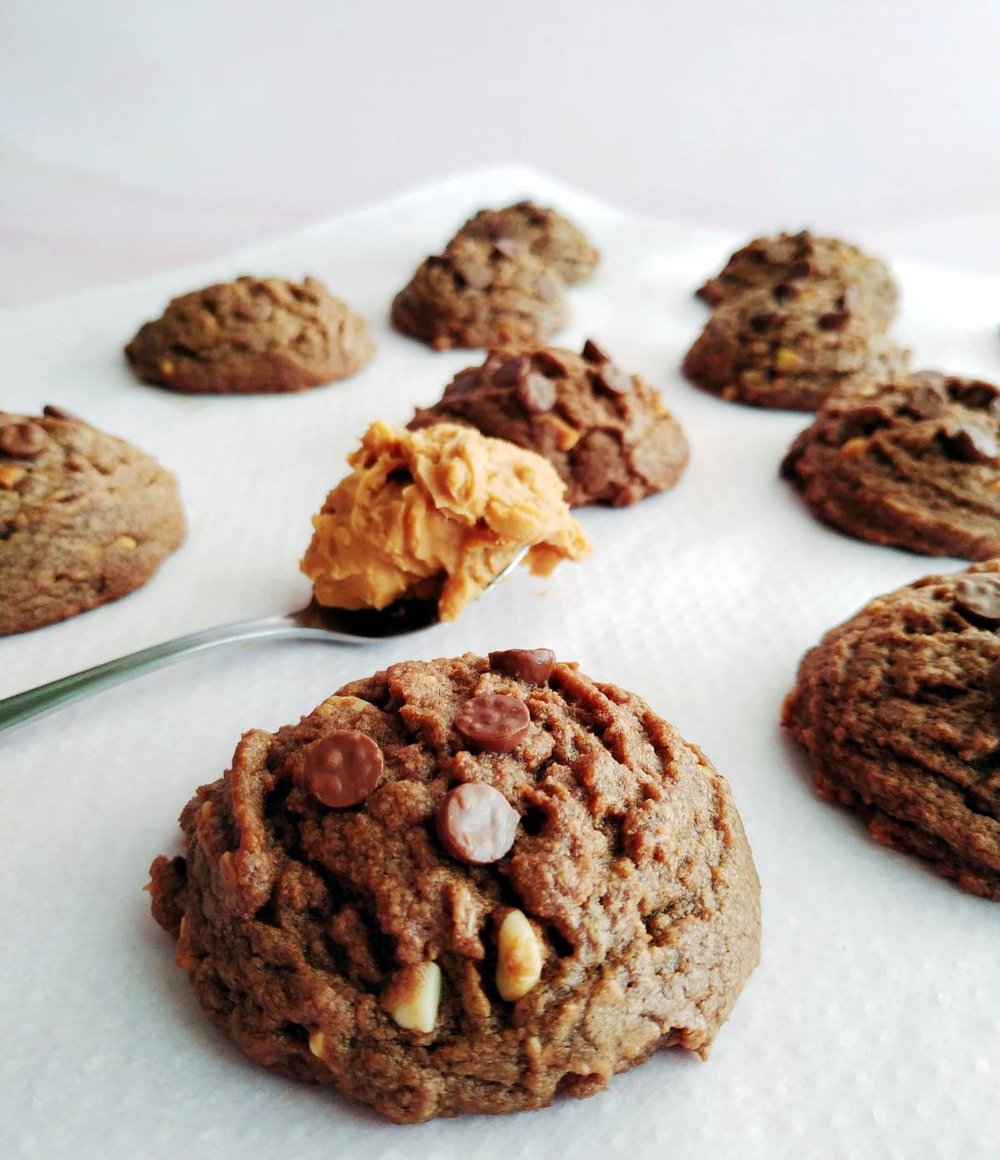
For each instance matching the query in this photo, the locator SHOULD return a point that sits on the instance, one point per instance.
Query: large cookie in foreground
(790, 349)
(803, 259)
(521, 882)
(899, 711)
(913, 464)
(605, 431)
(251, 336)
(480, 293)
(85, 518)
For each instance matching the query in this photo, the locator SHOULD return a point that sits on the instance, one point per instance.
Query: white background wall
(137, 134)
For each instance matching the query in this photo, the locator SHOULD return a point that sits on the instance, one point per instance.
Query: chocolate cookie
(548, 235)
(605, 431)
(790, 349)
(899, 711)
(464, 886)
(914, 464)
(801, 260)
(251, 336)
(84, 518)
(481, 293)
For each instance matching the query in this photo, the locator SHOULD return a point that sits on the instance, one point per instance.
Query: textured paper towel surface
(871, 1028)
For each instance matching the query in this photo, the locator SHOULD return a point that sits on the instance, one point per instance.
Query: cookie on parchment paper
(464, 886)
(85, 518)
(605, 431)
(802, 260)
(790, 349)
(481, 293)
(898, 709)
(251, 336)
(913, 464)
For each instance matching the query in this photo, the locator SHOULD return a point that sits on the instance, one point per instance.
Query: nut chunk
(436, 515)
(519, 957)
(413, 997)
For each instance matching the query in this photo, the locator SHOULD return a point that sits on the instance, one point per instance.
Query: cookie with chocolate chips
(464, 885)
(84, 518)
(899, 711)
(251, 336)
(605, 431)
(548, 235)
(914, 464)
(790, 348)
(803, 259)
(481, 292)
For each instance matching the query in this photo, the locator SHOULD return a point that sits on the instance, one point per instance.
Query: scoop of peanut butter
(436, 514)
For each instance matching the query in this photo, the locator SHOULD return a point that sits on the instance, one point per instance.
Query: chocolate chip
(477, 275)
(464, 383)
(593, 353)
(765, 320)
(924, 400)
(548, 362)
(23, 440)
(509, 246)
(614, 379)
(524, 664)
(834, 319)
(784, 292)
(978, 597)
(52, 412)
(476, 824)
(342, 768)
(970, 443)
(995, 681)
(536, 393)
(978, 395)
(511, 372)
(493, 721)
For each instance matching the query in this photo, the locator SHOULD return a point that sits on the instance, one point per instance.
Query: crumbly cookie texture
(800, 260)
(423, 955)
(554, 239)
(899, 711)
(481, 293)
(84, 518)
(914, 464)
(436, 515)
(251, 336)
(605, 431)
(791, 348)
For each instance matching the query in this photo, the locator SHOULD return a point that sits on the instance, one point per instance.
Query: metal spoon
(314, 622)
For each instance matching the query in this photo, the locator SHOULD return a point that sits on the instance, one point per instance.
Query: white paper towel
(872, 1026)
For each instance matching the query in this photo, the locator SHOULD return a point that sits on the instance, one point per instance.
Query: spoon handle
(55, 694)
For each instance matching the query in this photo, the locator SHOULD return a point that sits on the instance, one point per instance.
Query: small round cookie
(548, 235)
(478, 293)
(914, 464)
(251, 336)
(789, 349)
(464, 886)
(800, 260)
(605, 431)
(84, 518)
(899, 711)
